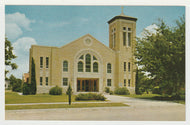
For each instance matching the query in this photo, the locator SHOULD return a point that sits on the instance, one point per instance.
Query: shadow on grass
(164, 98)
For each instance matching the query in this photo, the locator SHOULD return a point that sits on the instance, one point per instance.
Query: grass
(45, 106)
(156, 97)
(14, 98)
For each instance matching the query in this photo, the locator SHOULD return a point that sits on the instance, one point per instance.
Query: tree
(17, 86)
(12, 80)
(163, 56)
(69, 93)
(26, 89)
(15, 83)
(33, 78)
(9, 56)
(143, 83)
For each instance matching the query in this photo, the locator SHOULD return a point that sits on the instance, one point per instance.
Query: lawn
(155, 97)
(14, 98)
(45, 106)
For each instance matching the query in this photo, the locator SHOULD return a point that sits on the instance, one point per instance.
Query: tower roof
(122, 16)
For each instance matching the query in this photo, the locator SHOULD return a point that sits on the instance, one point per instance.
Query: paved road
(139, 110)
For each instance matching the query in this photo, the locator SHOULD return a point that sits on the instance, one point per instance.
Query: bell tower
(122, 33)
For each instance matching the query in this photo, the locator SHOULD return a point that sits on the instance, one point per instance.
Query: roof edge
(122, 17)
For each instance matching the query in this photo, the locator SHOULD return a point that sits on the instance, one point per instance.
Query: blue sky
(59, 25)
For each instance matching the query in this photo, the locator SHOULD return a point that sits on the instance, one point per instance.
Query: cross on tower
(122, 10)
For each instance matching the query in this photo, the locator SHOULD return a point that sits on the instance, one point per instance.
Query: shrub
(111, 92)
(26, 89)
(156, 90)
(107, 89)
(90, 96)
(17, 86)
(122, 91)
(55, 91)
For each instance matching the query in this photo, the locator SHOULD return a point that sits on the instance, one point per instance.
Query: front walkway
(139, 110)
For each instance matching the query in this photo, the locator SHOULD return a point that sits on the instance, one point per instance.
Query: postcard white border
(93, 2)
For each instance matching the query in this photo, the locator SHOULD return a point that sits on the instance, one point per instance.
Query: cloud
(20, 19)
(13, 30)
(151, 30)
(21, 50)
(15, 23)
(23, 44)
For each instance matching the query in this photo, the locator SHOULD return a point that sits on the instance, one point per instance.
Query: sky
(59, 25)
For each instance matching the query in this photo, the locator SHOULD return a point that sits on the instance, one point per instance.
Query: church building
(87, 64)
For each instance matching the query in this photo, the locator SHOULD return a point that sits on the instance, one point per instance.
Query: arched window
(65, 66)
(88, 63)
(108, 68)
(95, 67)
(80, 66)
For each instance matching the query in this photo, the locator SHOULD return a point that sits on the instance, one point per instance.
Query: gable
(86, 42)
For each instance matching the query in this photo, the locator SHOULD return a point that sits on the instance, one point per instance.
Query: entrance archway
(87, 85)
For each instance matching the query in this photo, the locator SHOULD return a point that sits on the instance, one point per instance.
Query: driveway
(139, 110)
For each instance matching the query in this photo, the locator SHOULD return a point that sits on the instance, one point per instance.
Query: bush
(26, 89)
(156, 90)
(107, 89)
(90, 96)
(55, 91)
(111, 92)
(122, 91)
(17, 85)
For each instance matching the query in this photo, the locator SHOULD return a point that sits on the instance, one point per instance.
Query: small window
(41, 62)
(108, 82)
(124, 38)
(129, 83)
(124, 66)
(65, 66)
(80, 66)
(114, 39)
(95, 67)
(41, 80)
(108, 68)
(46, 81)
(47, 62)
(129, 29)
(124, 28)
(129, 66)
(65, 81)
(124, 82)
(129, 39)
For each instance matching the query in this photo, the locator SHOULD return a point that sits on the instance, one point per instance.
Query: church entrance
(87, 85)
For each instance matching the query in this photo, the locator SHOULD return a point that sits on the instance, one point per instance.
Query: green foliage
(16, 84)
(163, 56)
(90, 96)
(9, 56)
(156, 90)
(122, 91)
(111, 92)
(69, 93)
(107, 89)
(55, 91)
(33, 79)
(26, 89)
